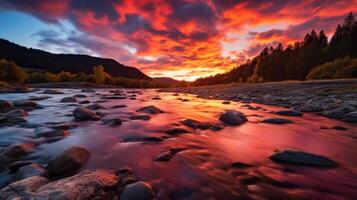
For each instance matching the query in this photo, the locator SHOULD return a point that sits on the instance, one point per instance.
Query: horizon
(183, 40)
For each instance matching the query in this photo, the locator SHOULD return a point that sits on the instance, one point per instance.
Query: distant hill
(42, 60)
(166, 80)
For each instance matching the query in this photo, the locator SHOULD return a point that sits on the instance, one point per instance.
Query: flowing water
(202, 170)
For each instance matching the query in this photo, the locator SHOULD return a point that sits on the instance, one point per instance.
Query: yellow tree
(99, 74)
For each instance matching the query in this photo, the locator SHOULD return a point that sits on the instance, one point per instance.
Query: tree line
(296, 61)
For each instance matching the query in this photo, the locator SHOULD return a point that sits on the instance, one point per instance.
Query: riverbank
(331, 98)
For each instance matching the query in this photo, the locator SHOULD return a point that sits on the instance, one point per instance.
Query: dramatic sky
(184, 39)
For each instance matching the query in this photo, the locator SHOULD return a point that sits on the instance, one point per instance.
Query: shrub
(36, 77)
(81, 77)
(64, 76)
(11, 72)
(339, 68)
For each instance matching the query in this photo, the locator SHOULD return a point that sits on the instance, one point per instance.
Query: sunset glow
(182, 39)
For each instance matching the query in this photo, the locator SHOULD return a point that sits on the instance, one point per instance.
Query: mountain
(167, 80)
(42, 60)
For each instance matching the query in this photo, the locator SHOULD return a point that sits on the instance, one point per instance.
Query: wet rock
(112, 122)
(68, 161)
(13, 167)
(128, 180)
(233, 117)
(17, 113)
(65, 126)
(226, 102)
(79, 96)
(125, 170)
(248, 179)
(18, 150)
(164, 156)
(289, 113)
(139, 190)
(119, 106)
(311, 108)
(25, 103)
(95, 118)
(82, 114)
(240, 165)
(150, 110)
(49, 133)
(68, 99)
(95, 106)
(98, 184)
(277, 121)
(156, 98)
(39, 98)
(340, 128)
(350, 117)
(299, 157)
(140, 117)
(5, 106)
(84, 102)
(113, 97)
(196, 124)
(216, 128)
(177, 131)
(52, 91)
(24, 189)
(29, 171)
(338, 113)
(88, 90)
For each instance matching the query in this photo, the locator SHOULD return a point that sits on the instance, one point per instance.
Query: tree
(11, 72)
(64, 76)
(99, 74)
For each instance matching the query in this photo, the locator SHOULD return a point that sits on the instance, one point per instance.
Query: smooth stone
(25, 103)
(176, 131)
(52, 91)
(139, 190)
(240, 165)
(13, 167)
(84, 102)
(277, 121)
(196, 124)
(150, 110)
(18, 150)
(68, 161)
(233, 117)
(5, 106)
(23, 189)
(95, 106)
(17, 113)
(226, 102)
(65, 126)
(300, 157)
(79, 96)
(83, 114)
(311, 108)
(29, 171)
(164, 156)
(140, 117)
(119, 106)
(338, 113)
(289, 113)
(88, 90)
(39, 98)
(68, 99)
(340, 128)
(49, 133)
(112, 122)
(350, 117)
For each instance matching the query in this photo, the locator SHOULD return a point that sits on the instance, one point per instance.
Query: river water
(202, 170)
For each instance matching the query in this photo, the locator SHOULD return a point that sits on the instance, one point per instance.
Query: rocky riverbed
(144, 144)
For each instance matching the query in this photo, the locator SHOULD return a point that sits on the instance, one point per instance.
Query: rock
(350, 117)
(91, 184)
(83, 114)
(340, 128)
(125, 170)
(52, 91)
(84, 102)
(29, 171)
(17, 113)
(69, 99)
(68, 161)
(139, 190)
(150, 110)
(196, 124)
(165, 156)
(18, 150)
(299, 157)
(240, 165)
(13, 167)
(5, 106)
(112, 122)
(88, 90)
(65, 126)
(248, 179)
(39, 98)
(311, 108)
(156, 98)
(119, 106)
(277, 121)
(25, 103)
(79, 96)
(140, 117)
(113, 97)
(24, 189)
(338, 113)
(233, 117)
(95, 106)
(49, 133)
(226, 102)
(289, 113)
(177, 131)
(95, 118)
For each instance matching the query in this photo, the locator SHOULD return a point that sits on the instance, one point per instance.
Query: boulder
(91, 184)
(49, 133)
(119, 106)
(83, 114)
(176, 131)
(164, 156)
(88, 90)
(311, 108)
(233, 117)
(150, 110)
(277, 121)
(350, 117)
(68, 161)
(79, 96)
(29, 171)
(112, 122)
(52, 91)
(84, 102)
(25, 103)
(68, 99)
(65, 126)
(139, 190)
(5, 106)
(17, 113)
(289, 113)
(300, 157)
(24, 189)
(140, 117)
(95, 106)
(13, 167)
(18, 150)
(338, 113)
(196, 124)
(38, 98)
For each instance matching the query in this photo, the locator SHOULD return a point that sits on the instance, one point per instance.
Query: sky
(182, 39)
